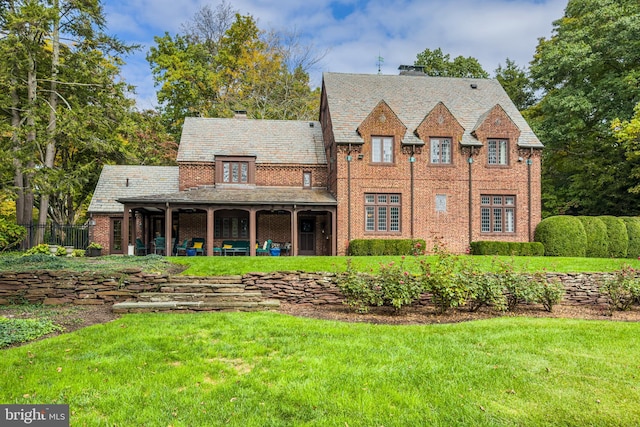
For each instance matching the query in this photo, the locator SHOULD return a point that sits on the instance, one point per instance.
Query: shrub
(633, 232)
(484, 289)
(623, 289)
(562, 236)
(618, 239)
(547, 292)
(507, 248)
(377, 247)
(514, 284)
(367, 247)
(358, 289)
(396, 286)
(442, 280)
(359, 247)
(41, 249)
(10, 234)
(597, 240)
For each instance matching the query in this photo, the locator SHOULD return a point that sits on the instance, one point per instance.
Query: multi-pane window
(441, 150)
(235, 172)
(382, 149)
(498, 149)
(306, 179)
(497, 214)
(382, 212)
(231, 228)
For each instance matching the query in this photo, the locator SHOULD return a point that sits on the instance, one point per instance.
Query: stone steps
(194, 294)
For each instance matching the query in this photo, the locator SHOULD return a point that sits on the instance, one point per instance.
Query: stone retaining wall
(60, 287)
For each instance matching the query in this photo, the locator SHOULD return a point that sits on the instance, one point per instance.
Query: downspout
(412, 160)
(349, 195)
(529, 163)
(470, 162)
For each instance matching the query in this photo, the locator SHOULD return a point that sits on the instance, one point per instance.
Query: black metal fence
(56, 234)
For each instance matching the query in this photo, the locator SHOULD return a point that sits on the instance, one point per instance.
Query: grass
(213, 266)
(15, 261)
(269, 369)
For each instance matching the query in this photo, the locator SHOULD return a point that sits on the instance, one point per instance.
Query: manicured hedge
(562, 236)
(367, 247)
(597, 238)
(618, 239)
(507, 248)
(633, 231)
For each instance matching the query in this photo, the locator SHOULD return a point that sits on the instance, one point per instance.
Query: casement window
(382, 149)
(231, 227)
(498, 151)
(235, 170)
(382, 212)
(497, 214)
(441, 151)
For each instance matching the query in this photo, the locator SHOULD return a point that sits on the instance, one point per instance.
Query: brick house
(405, 156)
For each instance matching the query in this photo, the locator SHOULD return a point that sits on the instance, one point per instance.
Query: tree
(627, 132)
(438, 64)
(588, 73)
(517, 84)
(61, 73)
(208, 72)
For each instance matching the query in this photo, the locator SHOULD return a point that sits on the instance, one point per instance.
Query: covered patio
(299, 221)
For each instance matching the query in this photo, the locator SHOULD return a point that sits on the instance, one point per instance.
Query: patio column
(125, 230)
(168, 231)
(294, 231)
(252, 232)
(210, 227)
(334, 232)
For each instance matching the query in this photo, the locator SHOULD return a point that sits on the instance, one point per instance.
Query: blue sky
(353, 33)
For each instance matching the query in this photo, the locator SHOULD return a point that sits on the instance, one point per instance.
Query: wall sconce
(92, 222)
(412, 159)
(348, 158)
(360, 156)
(529, 162)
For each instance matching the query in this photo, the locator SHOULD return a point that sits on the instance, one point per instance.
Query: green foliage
(484, 247)
(396, 285)
(517, 84)
(442, 279)
(588, 74)
(358, 289)
(623, 289)
(14, 331)
(436, 63)
(514, 284)
(617, 237)
(597, 239)
(633, 231)
(484, 289)
(11, 234)
(41, 249)
(378, 247)
(562, 236)
(547, 292)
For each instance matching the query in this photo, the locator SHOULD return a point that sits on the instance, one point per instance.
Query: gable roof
(270, 141)
(351, 97)
(119, 181)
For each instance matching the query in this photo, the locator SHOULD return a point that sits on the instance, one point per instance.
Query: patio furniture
(141, 248)
(197, 243)
(235, 247)
(264, 250)
(182, 248)
(159, 246)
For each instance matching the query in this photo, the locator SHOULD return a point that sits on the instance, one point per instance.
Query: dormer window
(441, 151)
(382, 149)
(235, 170)
(498, 152)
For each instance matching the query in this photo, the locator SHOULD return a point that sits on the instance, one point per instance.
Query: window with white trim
(441, 151)
(497, 214)
(382, 149)
(382, 212)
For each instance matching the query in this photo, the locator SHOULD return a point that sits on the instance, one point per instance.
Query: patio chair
(264, 250)
(159, 246)
(182, 248)
(197, 243)
(141, 248)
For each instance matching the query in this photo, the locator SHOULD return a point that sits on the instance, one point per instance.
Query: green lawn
(204, 266)
(269, 369)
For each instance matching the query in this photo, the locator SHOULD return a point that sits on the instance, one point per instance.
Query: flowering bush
(442, 279)
(396, 286)
(623, 289)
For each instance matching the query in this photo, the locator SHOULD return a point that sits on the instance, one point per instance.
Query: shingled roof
(128, 181)
(352, 97)
(270, 141)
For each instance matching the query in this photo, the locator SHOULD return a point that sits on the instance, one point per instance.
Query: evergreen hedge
(633, 231)
(368, 247)
(597, 238)
(618, 239)
(562, 236)
(507, 248)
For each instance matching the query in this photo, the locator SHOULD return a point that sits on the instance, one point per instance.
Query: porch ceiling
(244, 196)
